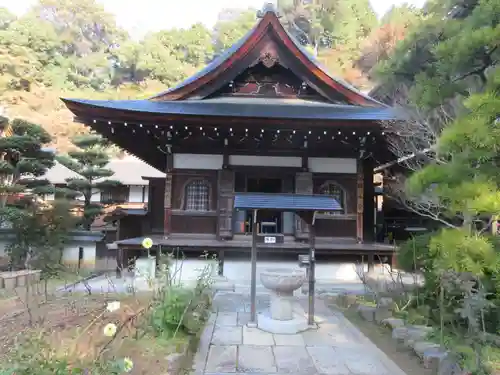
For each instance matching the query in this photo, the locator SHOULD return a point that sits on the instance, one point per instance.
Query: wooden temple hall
(263, 117)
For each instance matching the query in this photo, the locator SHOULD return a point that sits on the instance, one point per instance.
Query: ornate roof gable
(267, 62)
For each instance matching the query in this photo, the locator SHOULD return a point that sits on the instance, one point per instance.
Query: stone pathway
(228, 346)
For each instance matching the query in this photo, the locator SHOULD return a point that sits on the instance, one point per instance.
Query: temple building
(262, 117)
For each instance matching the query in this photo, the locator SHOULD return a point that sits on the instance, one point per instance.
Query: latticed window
(334, 190)
(197, 196)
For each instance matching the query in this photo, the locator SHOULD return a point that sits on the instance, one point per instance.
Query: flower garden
(107, 334)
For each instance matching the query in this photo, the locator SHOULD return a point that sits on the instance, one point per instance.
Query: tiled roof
(246, 107)
(129, 171)
(58, 174)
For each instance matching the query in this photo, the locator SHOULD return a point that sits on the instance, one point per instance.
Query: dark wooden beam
(167, 218)
(360, 202)
(368, 201)
(305, 161)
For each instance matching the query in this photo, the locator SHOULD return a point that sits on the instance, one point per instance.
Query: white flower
(110, 330)
(113, 306)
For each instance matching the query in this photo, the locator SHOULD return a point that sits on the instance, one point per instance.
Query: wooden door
(225, 204)
(303, 185)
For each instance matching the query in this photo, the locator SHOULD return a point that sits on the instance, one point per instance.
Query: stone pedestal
(281, 318)
(282, 306)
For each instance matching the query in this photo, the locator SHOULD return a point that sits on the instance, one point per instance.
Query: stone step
(367, 312)
(393, 323)
(433, 357)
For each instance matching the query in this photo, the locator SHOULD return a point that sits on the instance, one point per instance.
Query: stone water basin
(282, 281)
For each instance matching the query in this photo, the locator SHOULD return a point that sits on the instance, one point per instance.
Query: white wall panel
(332, 165)
(265, 161)
(198, 161)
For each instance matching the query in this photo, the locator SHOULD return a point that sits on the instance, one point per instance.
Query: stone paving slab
(254, 336)
(294, 360)
(256, 359)
(222, 359)
(290, 340)
(327, 360)
(227, 335)
(336, 347)
(227, 319)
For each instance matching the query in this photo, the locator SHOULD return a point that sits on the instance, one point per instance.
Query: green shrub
(168, 313)
(414, 253)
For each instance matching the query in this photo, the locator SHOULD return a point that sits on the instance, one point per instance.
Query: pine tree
(23, 163)
(89, 161)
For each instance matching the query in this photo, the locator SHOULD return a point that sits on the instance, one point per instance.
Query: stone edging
(201, 356)
(386, 361)
(412, 337)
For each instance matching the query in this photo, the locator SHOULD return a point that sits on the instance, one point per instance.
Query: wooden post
(225, 204)
(312, 265)
(303, 185)
(253, 285)
(368, 202)
(119, 251)
(371, 262)
(360, 201)
(221, 263)
(167, 204)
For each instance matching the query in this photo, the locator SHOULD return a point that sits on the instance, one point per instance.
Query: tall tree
(228, 30)
(23, 160)
(28, 47)
(443, 62)
(193, 45)
(333, 30)
(6, 18)
(86, 34)
(89, 161)
(381, 42)
(23, 163)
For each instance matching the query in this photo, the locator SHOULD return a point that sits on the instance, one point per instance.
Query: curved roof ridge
(339, 80)
(195, 87)
(212, 64)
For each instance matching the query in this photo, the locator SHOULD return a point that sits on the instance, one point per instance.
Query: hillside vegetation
(73, 48)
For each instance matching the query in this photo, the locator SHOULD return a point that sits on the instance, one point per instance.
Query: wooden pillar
(312, 273)
(394, 261)
(119, 252)
(360, 202)
(368, 202)
(253, 283)
(371, 262)
(167, 203)
(220, 270)
(288, 217)
(303, 185)
(225, 208)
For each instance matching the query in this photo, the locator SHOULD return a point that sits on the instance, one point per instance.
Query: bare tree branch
(426, 205)
(413, 142)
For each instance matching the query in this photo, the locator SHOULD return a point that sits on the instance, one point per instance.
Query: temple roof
(265, 92)
(234, 107)
(266, 63)
(268, 38)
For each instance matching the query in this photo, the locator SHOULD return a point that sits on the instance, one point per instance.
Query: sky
(141, 16)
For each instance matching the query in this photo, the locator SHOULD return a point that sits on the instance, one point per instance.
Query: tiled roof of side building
(129, 171)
